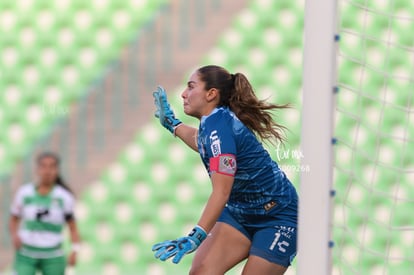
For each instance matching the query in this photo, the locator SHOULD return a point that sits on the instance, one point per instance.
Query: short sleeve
(69, 206)
(221, 148)
(220, 140)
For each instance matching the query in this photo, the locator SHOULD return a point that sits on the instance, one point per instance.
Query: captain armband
(224, 164)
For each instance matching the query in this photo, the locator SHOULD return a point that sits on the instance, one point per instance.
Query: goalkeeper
(252, 210)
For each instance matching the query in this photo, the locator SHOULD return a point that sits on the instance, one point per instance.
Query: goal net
(373, 220)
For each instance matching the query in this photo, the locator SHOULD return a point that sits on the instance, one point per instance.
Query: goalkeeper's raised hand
(181, 246)
(164, 111)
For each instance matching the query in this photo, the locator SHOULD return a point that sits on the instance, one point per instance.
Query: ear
(212, 94)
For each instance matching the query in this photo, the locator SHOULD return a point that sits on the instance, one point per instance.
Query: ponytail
(59, 181)
(237, 93)
(254, 113)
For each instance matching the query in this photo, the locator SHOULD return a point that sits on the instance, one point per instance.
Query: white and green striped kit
(42, 218)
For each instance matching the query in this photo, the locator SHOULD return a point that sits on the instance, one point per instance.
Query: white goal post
(319, 76)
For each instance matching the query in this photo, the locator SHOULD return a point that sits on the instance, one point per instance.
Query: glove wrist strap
(175, 128)
(198, 233)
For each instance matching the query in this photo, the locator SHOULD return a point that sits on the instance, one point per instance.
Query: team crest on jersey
(215, 144)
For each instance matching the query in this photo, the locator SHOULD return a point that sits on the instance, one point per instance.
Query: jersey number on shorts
(279, 244)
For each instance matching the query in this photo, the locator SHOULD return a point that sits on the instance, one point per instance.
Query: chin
(187, 110)
(190, 113)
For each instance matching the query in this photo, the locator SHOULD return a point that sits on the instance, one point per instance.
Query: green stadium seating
(52, 51)
(157, 187)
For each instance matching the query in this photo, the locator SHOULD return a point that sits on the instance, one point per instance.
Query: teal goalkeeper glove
(181, 246)
(164, 111)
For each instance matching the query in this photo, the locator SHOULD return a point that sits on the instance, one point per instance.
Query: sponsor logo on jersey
(215, 143)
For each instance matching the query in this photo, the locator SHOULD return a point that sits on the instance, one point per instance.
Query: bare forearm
(187, 134)
(212, 211)
(222, 186)
(73, 231)
(74, 237)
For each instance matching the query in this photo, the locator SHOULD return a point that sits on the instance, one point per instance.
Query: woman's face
(47, 170)
(194, 97)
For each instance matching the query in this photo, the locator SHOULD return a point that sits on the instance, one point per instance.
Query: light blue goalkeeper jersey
(259, 183)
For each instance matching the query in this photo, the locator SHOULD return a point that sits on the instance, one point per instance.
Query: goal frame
(319, 80)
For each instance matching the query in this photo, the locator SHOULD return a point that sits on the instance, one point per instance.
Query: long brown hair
(237, 93)
(59, 180)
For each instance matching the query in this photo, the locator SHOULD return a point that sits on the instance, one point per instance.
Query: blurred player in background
(252, 210)
(39, 213)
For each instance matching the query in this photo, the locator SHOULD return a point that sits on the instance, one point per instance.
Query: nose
(184, 93)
